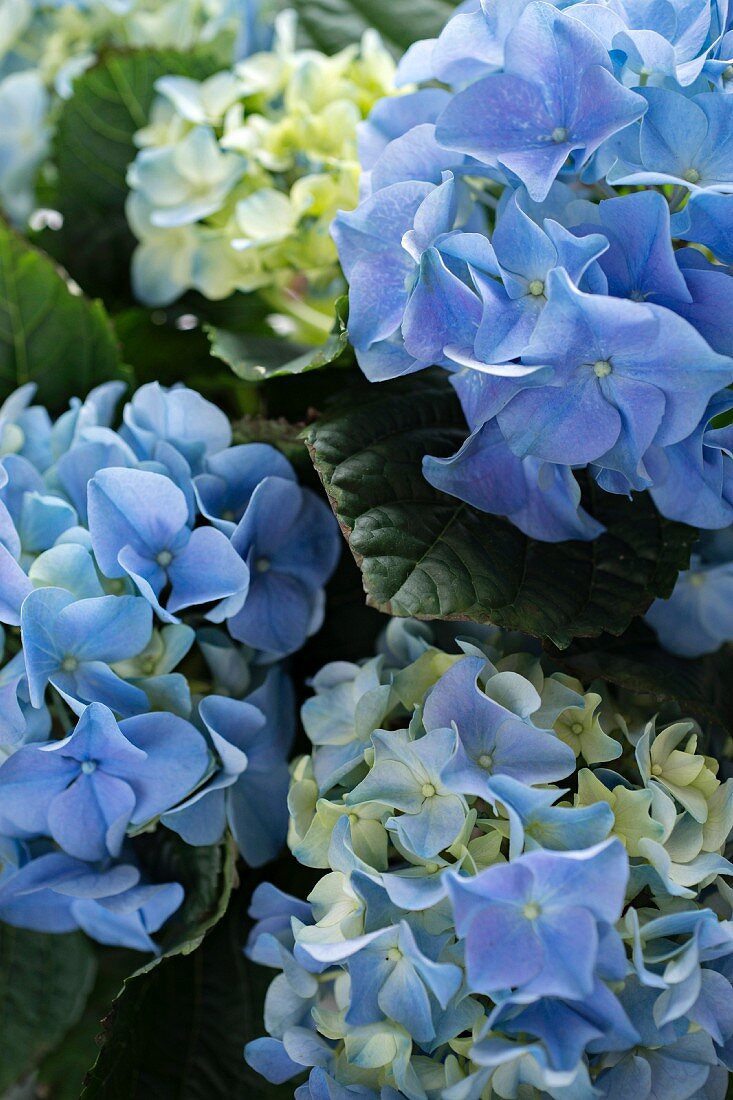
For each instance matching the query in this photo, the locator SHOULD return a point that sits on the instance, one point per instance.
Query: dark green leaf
(93, 149)
(177, 1032)
(207, 876)
(44, 984)
(62, 1072)
(331, 25)
(425, 554)
(256, 359)
(49, 333)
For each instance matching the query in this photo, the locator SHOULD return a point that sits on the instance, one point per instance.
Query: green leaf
(207, 876)
(44, 984)
(93, 148)
(49, 333)
(428, 555)
(330, 25)
(257, 359)
(62, 1072)
(177, 1031)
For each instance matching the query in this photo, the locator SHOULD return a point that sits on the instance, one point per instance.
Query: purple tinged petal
(441, 310)
(594, 879)
(569, 424)
(570, 942)
(484, 473)
(502, 949)
(640, 263)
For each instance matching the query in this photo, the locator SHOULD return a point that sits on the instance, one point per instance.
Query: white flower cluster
(239, 176)
(45, 44)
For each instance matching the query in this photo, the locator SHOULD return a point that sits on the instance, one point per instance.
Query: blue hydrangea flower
(249, 792)
(407, 776)
(231, 476)
(290, 544)
(392, 978)
(108, 540)
(56, 893)
(537, 117)
(86, 790)
(71, 644)
(681, 141)
(625, 375)
(543, 945)
(523, 923)
(495, 734)
(556, 96)
(138, 522)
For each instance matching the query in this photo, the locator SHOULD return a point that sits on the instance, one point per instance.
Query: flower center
(262, 565)
(691, 175)
(537, 288)
(164, 558)
(657, 769)
(485, 761)
(576, 728)
(602, 368)
(532, 910)
(428, 790)
(148, 666)
(559, 135)
(394, 954)
(728, 73)
(697, 579)
(88, 766)
(69, 664)
(353, 818)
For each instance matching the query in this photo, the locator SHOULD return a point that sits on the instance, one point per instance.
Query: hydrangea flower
(239, 176)
(506, 936)
(139, 685)
(45, 45)
(498, 238)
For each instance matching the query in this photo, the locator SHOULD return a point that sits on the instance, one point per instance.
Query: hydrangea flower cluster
(548, 218)
(152, 578)
(524, 892)
(239, 176)
(45, 44)
(698, 617)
